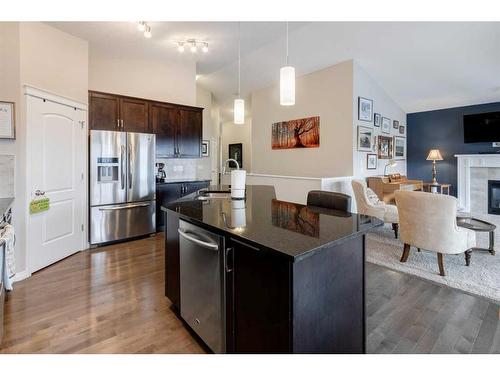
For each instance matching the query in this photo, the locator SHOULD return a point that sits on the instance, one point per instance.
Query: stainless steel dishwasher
(202, 284)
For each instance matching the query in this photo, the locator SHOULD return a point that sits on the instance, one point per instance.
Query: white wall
(158, 80)
(326, 93)
(366, 87)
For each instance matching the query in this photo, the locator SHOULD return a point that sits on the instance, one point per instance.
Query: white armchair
(386, 212)
(429, 221)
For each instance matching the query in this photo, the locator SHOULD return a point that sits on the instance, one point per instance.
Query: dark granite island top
(291, 229)
(290, 277)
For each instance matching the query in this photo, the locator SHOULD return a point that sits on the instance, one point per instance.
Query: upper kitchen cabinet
(178, 130)
(189, 133)
(118, 113)
(104, 111)
(134, 115)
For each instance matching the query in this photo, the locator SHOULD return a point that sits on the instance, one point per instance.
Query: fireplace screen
(494, 197)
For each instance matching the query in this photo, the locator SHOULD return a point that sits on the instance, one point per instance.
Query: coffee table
(478, 226)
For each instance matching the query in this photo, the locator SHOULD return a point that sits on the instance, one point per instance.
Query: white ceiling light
(141, 26)
(239, 104)
(180, 47)
(147, 32)
(205, 47)
(193, 47)
(287, 80)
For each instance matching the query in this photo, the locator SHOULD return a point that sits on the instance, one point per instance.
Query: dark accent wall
(442, 129)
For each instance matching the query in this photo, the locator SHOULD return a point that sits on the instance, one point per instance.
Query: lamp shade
(287, 85)
(239, 111)
(434, 154)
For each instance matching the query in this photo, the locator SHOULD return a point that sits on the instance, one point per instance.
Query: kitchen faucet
(225, 163)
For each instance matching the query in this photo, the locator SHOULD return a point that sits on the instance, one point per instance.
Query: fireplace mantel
(464, 165)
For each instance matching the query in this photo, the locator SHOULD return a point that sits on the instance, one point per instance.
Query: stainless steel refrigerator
(122, 185)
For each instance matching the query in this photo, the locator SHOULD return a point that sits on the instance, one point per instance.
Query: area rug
(481, 278)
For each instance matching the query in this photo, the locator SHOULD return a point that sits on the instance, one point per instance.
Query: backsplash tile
(177, 169)
(7, 163)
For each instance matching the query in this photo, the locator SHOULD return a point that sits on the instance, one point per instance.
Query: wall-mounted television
(482, 127)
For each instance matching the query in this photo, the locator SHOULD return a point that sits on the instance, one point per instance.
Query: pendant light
(287, 80)
(239, 104)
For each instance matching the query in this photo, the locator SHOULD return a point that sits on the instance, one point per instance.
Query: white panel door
(57, 148)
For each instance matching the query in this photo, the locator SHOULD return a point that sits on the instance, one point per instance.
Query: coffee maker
(160, 172)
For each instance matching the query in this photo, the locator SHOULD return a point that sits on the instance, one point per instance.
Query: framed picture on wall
(371, 161)
(395, 124)
(365, 109)
(384, 147)
(236, 153)
(205, 148)
(402, 129)
(365, 138)
(386, 125)
(7, 120)
(377, 119)
(399, 148)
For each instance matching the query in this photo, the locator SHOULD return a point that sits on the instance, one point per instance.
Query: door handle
(229, 250)
(123, 127)
(129, 170)
(123, 166)
(124, 207)
(118, 123)
(208, 245)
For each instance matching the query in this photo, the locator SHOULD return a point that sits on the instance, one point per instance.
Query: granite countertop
(289, 228)
(181, 180)
(5, 204)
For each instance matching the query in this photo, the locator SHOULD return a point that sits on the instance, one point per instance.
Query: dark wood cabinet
(134, 115)
(258, 308)
(118, 113)
(178, 128)
(104, 111)
(166, 193)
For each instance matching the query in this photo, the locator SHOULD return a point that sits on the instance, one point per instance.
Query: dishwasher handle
(208, 245)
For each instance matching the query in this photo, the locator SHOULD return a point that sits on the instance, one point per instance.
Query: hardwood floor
(111, 300)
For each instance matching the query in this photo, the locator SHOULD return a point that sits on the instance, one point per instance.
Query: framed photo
(384, 147)
(371, 161)
(386, 125)
(399, 148)
(205, 148)
(365, 109)
(402, 129)
(365, 138)
(236, 153)
(377, 119)
(7, 120)
(395, 124)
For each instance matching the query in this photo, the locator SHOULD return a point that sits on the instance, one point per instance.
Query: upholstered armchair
(372, 206)
(429, 221)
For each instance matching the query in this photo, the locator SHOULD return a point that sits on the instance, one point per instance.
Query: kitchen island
(262, 275)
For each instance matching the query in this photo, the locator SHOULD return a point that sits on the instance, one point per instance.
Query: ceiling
(421, 65)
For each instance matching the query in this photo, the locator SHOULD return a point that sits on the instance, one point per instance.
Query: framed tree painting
(236, 153)
(365, 137)
(299, 133)
(399, 148)
(365, 109)
(384, 147)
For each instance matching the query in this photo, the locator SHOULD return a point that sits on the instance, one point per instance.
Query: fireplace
(494, 197)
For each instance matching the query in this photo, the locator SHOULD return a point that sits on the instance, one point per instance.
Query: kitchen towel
(9, 261)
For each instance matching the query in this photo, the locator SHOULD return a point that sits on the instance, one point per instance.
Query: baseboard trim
(21, 276)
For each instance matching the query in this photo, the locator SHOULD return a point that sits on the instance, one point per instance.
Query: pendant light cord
(239, 59)
(286, 61)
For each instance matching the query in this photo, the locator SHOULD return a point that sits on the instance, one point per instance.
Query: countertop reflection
(289, 228)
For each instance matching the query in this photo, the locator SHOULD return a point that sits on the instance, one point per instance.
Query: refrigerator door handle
(129, 169)
(122, 166)
(124, 207)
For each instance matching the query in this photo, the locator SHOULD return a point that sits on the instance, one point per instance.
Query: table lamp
(390, 163)
(434, 155)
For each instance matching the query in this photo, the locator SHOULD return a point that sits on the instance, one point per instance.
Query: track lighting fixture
(180, 47)
(147, 32)
(193, 45)
(143, 27)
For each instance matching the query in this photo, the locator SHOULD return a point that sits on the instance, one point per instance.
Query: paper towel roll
(238, 181)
